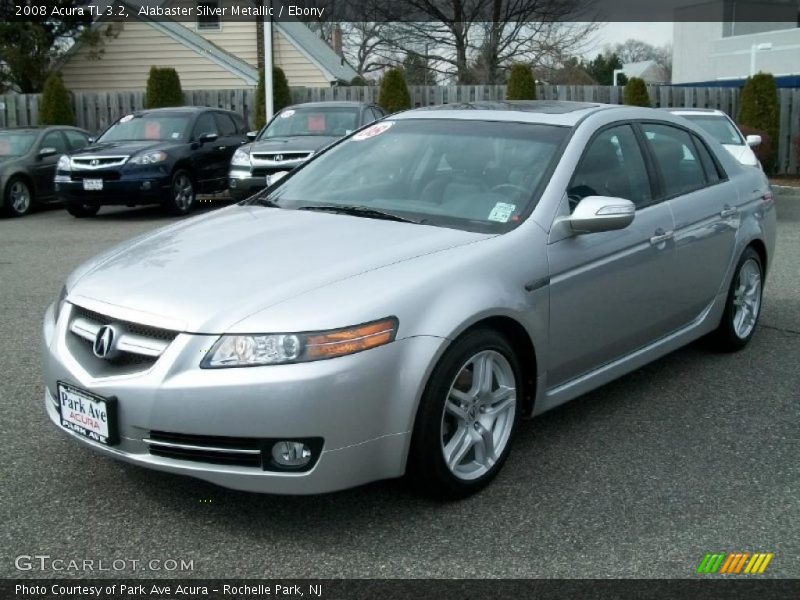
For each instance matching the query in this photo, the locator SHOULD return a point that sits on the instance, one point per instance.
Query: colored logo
(735, 563)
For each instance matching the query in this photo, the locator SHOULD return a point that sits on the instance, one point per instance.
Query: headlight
(275, 349)
(63, 163)
(241, 158)
(149, 158)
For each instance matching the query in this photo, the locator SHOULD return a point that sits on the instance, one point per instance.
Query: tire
(460, 420)
(743, 304)
(82, 210)
(182, 193)
(18, 198)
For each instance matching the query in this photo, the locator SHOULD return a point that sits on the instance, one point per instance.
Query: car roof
(331, 104)
(41, 128)
(555, 112)
(180, 109)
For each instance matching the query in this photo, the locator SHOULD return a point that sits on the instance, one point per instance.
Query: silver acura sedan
(397, 304)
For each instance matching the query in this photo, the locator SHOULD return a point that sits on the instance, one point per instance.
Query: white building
(727, 51)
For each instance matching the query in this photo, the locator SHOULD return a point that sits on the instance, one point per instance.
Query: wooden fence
(95, 111)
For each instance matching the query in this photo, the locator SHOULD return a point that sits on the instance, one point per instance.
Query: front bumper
(146, 188)
(362, 406)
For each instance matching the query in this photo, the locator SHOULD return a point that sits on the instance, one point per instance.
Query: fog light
(291, 454)
(233, 183)
(146, 185)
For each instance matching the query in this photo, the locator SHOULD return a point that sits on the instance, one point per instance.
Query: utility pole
(268, 103)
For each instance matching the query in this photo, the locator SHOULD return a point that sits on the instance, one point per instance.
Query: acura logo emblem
(105, 342)
(95, 162)
(278, 157)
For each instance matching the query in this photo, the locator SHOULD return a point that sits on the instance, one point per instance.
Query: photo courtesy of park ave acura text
(400, 298)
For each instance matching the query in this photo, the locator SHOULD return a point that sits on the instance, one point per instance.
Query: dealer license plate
(88, 415)
(93, 184)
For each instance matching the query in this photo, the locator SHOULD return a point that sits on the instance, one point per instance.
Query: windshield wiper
(360, 211)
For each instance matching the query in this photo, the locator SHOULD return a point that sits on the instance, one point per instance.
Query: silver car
(398, 303)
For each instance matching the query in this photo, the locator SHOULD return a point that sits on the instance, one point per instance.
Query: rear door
(610, 292)
(230, 138)
(44, 169)
(703, 202)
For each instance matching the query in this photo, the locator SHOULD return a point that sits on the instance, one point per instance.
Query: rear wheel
(82, 210)
(18, 199)
(467, 416)
(743, 305)
(182, 194)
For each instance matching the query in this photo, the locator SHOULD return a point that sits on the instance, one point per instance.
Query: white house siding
(702, 54)
(237, 37)
(299, 70)
(126, 61)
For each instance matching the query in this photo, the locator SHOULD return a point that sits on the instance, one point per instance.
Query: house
(207, 52)
(747, 37)
(648, 70)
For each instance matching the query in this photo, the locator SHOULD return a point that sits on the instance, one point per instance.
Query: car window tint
(240, 126)
(54, 139)
(76, 139)
(612, 165)
(709, 165)
(676, 157)
(225, 124)
(205, 124)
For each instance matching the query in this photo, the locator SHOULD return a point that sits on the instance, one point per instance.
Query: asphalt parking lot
(695, 453)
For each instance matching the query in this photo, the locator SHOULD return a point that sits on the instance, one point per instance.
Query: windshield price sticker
(372, 131)
(502, 212)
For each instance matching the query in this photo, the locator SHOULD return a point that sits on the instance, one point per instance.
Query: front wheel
(743, 305)
(18, 198)
(182, 194)
(467, 416)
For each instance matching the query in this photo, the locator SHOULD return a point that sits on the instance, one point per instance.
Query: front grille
(104, 175)
(138, 346)
(279, 157)
(94, 163)
(238, 451)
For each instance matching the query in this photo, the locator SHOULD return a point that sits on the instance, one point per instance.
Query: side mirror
(601, 213)
(207, 137)
(91, 140)
(753, 140)
(251, 135)
(47, 151)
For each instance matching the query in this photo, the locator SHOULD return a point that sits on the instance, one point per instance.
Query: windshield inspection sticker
(286, 114)
(372, 131)
(502, 212)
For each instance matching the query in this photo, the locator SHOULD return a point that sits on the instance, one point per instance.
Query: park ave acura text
(397, 303)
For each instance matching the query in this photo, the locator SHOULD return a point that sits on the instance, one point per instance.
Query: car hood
(293, 144)
(118, 148)
(208, 273)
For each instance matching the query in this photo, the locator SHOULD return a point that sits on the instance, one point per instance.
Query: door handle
(728, 211)
(661, 236)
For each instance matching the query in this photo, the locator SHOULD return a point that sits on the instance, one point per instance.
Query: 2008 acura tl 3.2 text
(399, 302)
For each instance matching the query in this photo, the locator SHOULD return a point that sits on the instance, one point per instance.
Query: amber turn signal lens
(350, 340)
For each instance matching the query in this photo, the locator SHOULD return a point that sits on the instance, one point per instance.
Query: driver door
(45, 166)
(610, 292)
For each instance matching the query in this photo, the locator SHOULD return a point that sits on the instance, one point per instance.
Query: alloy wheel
(747, 298)
(183, 192)
(20, 197)
(478, 415)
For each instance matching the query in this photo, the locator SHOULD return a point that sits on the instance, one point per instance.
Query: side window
(612, 166)
(76, 139)
(379, 114)
(54, 139)
(240, 126)
(205, 124)
(225, 124)
(676, 157)
(713, 173)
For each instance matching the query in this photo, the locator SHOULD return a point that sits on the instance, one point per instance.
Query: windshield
(148, 128)
(719, 127)
(331, 121)
(476, 175)
(16, 143)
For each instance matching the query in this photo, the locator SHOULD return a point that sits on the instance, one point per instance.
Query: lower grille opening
(208, 456)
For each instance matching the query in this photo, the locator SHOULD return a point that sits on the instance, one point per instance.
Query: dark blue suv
(161, 156)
